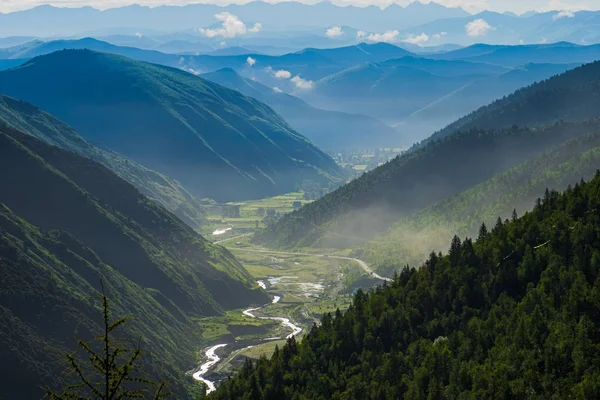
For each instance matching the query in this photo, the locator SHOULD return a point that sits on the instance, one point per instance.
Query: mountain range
(68, 225)
(176, 123)
(48, 20)
(160, 188)
(504, 314)
(468, 152)
(329, 130)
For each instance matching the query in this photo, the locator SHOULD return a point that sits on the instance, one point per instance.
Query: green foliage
(470, 151)
(114, 364)
(512, 315)
(412, 238)
(165, 191)
(571, 96)
(65, 221)
(413, 181)
(215, 141)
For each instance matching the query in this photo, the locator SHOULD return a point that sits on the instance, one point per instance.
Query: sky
(518, 6)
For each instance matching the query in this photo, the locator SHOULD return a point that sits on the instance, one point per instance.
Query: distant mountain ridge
(473, 149)
(174, 122)
(329, 130)
(47, 20)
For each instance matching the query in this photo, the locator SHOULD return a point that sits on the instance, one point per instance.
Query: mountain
(14, 41)
(360, 53)
(465, 154)
(39, 48)
(163, 190)
(184, 47)
(372, 203)
(467, 52)
(329, 130)
(230, 51)
(557, 53)
(444, 111)
(413, 238)
(8, 64)
(47, 20)
(506, 29)
(393, 89)
(66, 225)
(512, 314)
(183, 126)
(135, 39)
(571, 96)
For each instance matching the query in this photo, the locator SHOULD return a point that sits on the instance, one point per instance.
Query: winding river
(213, 358)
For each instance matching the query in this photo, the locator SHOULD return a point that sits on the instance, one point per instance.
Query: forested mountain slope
(369, 205)
(164, 190)
(66, 223)
(169, 120)
(411, 239)
(329, 130)
(571, 96)
(511, 315)
(471, 97)
(447, 166)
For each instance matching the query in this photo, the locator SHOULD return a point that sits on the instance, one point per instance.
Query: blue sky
(518, 6)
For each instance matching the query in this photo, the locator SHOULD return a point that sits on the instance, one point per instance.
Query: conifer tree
(114, 370)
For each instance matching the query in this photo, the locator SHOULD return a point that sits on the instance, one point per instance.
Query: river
(213, 358)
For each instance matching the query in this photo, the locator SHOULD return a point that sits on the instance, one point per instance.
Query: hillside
(67, 222)
(440, 168)
(571, 96)
(513, 314)
(164, 190)
(183, 126)
(369, 205)
(329, 130)
(387, 90)
(441, 112)
(413, 238)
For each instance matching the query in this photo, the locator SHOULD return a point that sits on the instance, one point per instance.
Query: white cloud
(478, 27)
(303, 83)
(231, 27)
(438, 36)
(334, 32)
(417, 39)
(139, 35)
(277, 90)
(223, 44)
(256, 28)
(563, 14)
(250, 61)
(388, 36)
(283, 74)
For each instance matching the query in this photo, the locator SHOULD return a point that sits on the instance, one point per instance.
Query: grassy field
(252, 213)
(309, 286)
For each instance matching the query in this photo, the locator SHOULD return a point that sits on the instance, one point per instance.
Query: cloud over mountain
(231, 27)
(478, 27)
(334, 32)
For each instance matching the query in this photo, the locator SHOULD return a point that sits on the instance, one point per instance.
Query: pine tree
(483, 232)
(114, 373)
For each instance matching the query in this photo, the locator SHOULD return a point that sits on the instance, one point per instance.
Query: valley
(303, 286)
(297, 201)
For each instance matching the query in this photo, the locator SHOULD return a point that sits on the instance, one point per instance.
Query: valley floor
(304, 287)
